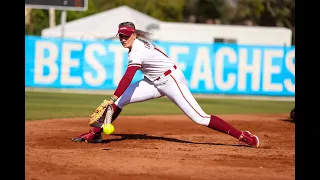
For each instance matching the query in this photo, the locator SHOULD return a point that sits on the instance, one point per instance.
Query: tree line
(236, 12)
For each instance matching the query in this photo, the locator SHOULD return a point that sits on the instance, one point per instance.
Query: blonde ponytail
(143, 35)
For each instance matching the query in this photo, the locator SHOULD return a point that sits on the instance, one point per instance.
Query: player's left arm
(125, 82)
(102, 109)
(135, 63)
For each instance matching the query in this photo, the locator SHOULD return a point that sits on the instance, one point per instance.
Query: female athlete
(161, 78)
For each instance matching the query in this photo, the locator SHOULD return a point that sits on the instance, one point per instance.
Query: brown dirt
(161, 147)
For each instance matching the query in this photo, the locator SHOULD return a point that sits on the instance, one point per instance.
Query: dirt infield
(161, 147)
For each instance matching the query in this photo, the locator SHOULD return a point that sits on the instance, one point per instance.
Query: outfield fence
(213, 69)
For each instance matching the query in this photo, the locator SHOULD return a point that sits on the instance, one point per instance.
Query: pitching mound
(161, 147)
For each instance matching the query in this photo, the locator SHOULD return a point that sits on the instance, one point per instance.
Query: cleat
(89, 137)
(247, 138)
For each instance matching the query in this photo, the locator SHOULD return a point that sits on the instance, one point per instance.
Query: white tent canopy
(209, 33)
(103, 25)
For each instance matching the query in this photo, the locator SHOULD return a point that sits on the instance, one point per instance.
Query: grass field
(47, 105)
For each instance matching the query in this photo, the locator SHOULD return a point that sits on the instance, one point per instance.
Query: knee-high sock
(218, 124)
(96, 129)
(116, 112)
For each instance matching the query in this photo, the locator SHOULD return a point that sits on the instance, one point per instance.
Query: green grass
(46, 105)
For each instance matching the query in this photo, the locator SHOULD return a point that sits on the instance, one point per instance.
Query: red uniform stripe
(160, 51)
(187, 100)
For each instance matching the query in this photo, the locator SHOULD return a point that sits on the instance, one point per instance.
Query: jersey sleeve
(135, 59)
(126, 80)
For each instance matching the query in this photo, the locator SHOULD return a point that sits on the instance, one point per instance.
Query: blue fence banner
(209, 68)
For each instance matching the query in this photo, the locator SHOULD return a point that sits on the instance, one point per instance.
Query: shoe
(249, 139)
(293, 114)
(89, 137)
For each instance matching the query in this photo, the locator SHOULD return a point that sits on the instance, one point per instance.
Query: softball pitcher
(161, 78)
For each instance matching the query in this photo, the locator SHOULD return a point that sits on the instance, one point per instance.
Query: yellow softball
(108, 128)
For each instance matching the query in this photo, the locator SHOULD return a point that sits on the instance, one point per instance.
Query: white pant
(174, 86)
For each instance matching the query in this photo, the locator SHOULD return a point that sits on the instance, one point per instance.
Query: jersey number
(146, 45)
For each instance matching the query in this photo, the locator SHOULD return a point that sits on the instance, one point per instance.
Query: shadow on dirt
(287, 120)
(147, 137)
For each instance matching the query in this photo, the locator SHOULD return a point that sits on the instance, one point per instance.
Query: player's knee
(202, 121)
(120, 105)
(121, 102)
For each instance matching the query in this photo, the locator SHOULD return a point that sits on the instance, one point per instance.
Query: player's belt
(167, 72)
